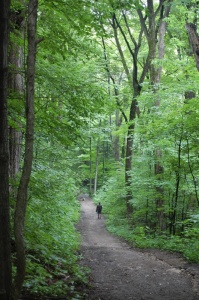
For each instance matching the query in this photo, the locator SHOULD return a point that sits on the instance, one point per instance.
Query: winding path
(119, 272)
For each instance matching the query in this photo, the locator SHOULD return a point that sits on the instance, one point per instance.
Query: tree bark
(16, 88)
(28, 157)
(194, 41)
(5, 248)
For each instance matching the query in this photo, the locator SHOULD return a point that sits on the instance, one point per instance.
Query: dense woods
(99, 98)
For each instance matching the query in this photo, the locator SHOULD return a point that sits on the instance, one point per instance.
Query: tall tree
(5, 249)
(135, 74)
(16, 83)
(122, 34)
(22, 194)
(155, 34)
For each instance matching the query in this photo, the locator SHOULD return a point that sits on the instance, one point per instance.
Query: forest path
(119, 272)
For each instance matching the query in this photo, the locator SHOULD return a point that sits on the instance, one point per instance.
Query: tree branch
(114, 84)
(114, 25)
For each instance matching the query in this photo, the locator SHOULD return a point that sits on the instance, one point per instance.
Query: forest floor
(121, 272)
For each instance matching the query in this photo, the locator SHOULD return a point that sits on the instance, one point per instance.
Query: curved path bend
(120, 272)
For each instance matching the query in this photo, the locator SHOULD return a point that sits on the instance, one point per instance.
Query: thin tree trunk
(96, 168)
(22, 195)
(178, 176)
(191, 171)
(5, 249)
(116, 139)
(128, 158)
(103, 162)
(90, 182)
(183, 211)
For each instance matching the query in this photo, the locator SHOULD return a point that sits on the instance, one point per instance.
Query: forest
(97, 97)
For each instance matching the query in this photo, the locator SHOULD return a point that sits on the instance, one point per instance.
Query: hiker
(99, 210)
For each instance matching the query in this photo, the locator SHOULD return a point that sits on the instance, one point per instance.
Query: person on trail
(99, 210)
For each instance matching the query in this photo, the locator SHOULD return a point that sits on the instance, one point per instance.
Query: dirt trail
(119, 271)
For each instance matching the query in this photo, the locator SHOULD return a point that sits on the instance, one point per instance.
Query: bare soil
(120, 271)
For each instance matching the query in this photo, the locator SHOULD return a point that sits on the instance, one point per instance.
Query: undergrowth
(138, 237)
(112, 197)
(53, 267)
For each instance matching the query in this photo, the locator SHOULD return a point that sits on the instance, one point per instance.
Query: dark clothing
(99, 208)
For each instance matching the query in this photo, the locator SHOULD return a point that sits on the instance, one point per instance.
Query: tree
(5, 244)
(130, 44)
(16, 85)
(194, 41)
(156, 32)
(22, 194)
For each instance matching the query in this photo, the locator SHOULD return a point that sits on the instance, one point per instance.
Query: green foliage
(51, 238)
(111, 195)
(69, 96)
(169, 129)
(76, 104)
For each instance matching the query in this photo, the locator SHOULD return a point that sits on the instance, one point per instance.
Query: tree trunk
(116, 138)
(5, 249)
(28, 157)
(16, 87)
(136, 89)
(194, 44)
(96, 167)
(159, 170)
(129, 154)
(194, 41)
(178, 177)
(90, 181)
(155, 76)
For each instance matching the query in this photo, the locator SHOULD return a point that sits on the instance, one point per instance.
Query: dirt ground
(121, 272)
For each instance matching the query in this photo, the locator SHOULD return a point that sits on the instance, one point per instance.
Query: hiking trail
(121, 272)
